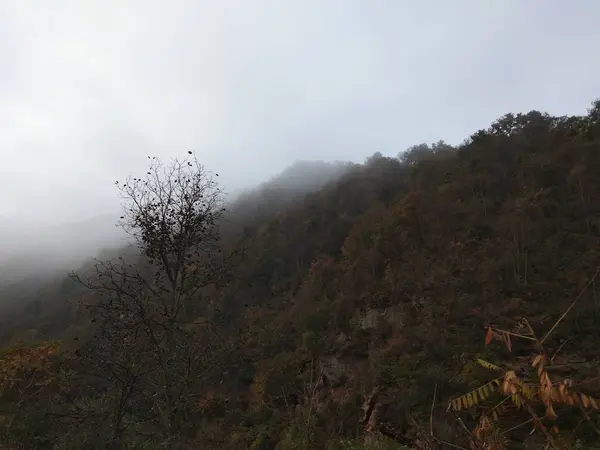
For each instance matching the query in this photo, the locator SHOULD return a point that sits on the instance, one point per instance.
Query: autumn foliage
(351, 305)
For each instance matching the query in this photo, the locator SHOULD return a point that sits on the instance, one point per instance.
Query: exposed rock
(369, 418)
(341, 338)
(333, 370)
(393, 315)
(371, 319)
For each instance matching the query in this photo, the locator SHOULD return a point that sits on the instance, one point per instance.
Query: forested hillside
(351, 315)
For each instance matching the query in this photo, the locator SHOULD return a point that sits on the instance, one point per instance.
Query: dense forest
(446, 298)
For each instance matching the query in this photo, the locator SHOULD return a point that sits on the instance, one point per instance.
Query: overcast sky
(89, 88)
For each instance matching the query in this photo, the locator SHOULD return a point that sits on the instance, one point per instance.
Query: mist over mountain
(28, 250)
(299, 179)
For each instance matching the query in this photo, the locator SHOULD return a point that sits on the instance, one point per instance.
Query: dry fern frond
(562, 394)
(523, 391)
(488, 365)
(474, 397)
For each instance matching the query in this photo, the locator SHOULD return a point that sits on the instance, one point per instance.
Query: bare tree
(155, 351)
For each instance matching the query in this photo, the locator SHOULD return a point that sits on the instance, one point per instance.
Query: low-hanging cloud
(89, 88)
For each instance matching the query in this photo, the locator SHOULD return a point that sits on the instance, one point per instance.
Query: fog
(30, 249)
(89, 89)
(43, 250)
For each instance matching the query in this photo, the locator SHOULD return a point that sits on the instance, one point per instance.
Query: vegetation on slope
(353, 313)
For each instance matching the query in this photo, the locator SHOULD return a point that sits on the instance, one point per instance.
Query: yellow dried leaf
(486, 388)
(487, 364)
(516, 400)
(527, 391)
(585, 400)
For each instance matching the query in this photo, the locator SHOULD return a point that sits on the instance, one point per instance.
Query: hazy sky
(89, 88)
